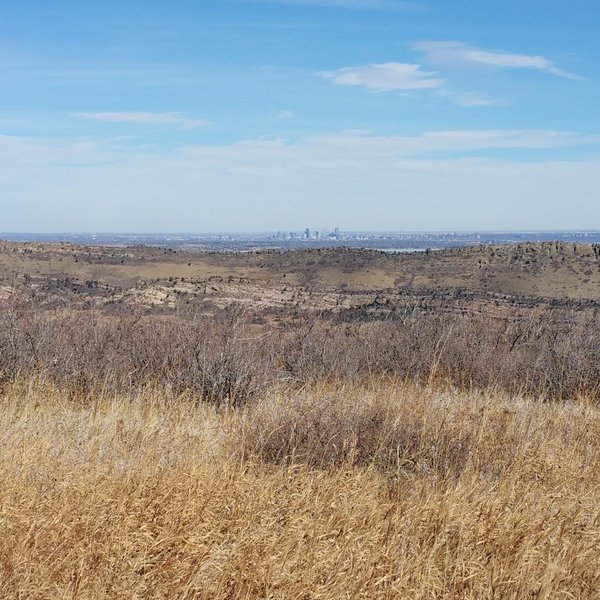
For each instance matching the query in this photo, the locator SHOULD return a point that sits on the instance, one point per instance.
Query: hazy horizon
(301, 230)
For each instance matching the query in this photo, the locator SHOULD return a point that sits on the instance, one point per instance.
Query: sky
(266, 115)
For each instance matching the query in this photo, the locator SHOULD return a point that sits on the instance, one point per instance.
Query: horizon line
(289, 230)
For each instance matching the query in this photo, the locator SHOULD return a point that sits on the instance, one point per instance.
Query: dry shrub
(218, 360)
(554, 354)
(225, 359)
(395, 428)
(326, 429)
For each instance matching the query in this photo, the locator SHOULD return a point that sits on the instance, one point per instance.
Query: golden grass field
(330, 491)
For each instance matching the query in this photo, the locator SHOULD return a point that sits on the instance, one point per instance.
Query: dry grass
(385, 491)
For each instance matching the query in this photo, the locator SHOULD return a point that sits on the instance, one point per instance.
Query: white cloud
(457, 53)
(148, 118)
(270, 184)
(352, 151)
(347, 150)
(475, 100)
(385, 77)
(473, 140)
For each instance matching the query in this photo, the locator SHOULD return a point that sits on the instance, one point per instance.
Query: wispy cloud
(345, 151)
(352, 146)
(388, 77)
(385, 77)
(434, 180)
(476, 100)
(458, 53)
(146, 118)
(283, 115)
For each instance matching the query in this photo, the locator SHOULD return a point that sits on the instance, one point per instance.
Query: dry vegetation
(226, 357)
(374, 445)
(334, 491)
(66, 272)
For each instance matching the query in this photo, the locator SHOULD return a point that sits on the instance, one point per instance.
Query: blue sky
(224, 115)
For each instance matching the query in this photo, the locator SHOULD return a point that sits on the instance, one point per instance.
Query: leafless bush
(220, 361)
(224, 358)
(408, 429)
(325, 430)
(555, 354)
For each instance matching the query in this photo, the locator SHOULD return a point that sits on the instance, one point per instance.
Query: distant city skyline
(394, 241)
(263, 115)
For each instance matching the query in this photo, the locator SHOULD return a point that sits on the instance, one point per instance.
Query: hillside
(539, 270)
